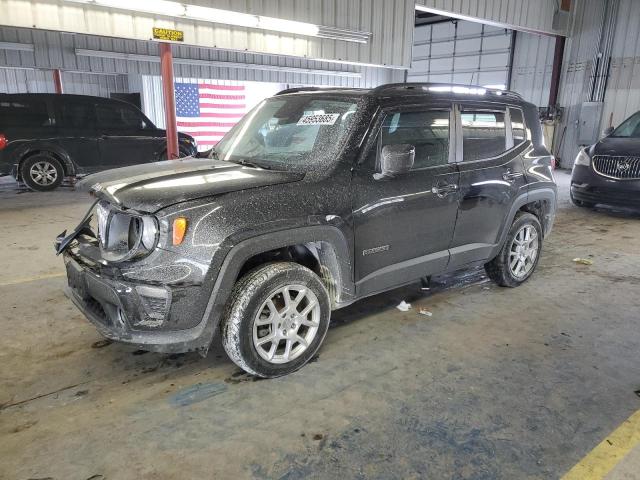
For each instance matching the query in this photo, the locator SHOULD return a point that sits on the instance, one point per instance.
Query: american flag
(207, 111)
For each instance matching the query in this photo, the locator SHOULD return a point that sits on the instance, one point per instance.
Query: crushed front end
(125, 278)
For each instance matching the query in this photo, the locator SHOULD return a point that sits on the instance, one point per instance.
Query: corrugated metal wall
(58, 50)
(389, 21)
(580, 50)
(622, 96)
(532, 67)
(535, 15)
(461, 52)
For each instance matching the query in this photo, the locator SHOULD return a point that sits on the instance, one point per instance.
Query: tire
(42, 172)
(506, 268)
(249, 303)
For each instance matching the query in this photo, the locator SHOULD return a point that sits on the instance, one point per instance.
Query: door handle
(444, 190)
(510, 176)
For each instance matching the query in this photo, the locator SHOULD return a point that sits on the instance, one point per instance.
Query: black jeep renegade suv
(317, 198)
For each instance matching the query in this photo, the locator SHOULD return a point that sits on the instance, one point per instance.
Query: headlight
(124, 236)
(583, 158)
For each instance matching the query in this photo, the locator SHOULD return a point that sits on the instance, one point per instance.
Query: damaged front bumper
(132, 313)
(156, 304)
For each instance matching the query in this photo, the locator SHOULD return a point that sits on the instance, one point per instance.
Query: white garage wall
(533, 15)
(390, 23)
(58, 50)
(532, 67)
(461, 52)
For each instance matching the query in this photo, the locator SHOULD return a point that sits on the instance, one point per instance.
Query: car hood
(617, 146)
(152, 186)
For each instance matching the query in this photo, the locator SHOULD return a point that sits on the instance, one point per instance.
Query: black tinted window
(29, 113)
(427, 131)
(118, 117)
(76, 115)
(517, 126)
(483, 134)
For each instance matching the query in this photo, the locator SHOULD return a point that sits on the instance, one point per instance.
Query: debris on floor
(583, 261)
(424, 311)
(403, 306)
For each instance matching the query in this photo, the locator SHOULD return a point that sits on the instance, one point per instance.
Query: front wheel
(277, 317)
(520, 253)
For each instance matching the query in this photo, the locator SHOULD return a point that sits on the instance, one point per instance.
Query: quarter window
(484, 134)
(517, 126)
(24, 114)
(427, 131)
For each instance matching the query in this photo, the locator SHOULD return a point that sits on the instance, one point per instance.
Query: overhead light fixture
(212, 63)
(229, 17)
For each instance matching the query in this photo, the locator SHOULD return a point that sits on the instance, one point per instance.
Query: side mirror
(608, 131)
(396, 160)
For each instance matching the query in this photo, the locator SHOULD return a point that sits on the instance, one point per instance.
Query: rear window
(484, 134)
(28, 113)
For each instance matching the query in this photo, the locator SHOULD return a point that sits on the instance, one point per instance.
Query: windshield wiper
(248, 163)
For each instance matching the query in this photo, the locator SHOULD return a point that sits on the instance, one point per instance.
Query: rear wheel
(520, 253)
(276, 320)
(41, 172)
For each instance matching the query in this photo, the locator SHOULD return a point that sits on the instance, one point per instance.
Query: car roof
(398, 91)
(62, 96)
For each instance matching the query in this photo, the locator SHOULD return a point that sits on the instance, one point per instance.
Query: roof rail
(443, 87)
(300, 89)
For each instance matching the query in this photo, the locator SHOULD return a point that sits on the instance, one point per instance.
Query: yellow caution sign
(168, 35)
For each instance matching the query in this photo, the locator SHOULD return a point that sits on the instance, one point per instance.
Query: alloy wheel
(523, 251)
(43, 173)
(286, 324)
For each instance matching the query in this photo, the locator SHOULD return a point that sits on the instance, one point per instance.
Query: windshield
(630, 128)
(294, 132)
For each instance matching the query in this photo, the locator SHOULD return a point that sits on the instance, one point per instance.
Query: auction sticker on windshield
(319, 119)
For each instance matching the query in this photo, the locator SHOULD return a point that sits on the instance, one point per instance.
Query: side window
(76, 115)
(484, 134)
(24, 114)
(427, 131)
(517, 126)
(113, 117)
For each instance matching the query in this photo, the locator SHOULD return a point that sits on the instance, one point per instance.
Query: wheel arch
(540, 202)
(56, 152)
(326, 244)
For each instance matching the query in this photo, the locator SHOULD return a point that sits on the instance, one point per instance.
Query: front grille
(618, 167)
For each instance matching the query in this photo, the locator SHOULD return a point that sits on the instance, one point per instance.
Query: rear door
(491, 177)
(403, 225)
(125, 136)
(75, 120)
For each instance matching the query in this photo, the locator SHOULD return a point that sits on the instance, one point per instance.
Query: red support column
(57, 81)
(168, 92)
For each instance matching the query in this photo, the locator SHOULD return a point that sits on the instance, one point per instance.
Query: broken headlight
(125, 236)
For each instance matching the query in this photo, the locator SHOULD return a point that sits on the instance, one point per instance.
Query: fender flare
(32, 147)
(334, 254)
(545, 194)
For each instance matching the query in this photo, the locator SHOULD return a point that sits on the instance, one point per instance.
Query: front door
(403, 225)
(491, 177)
(124, 138)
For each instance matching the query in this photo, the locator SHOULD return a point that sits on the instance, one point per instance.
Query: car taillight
(3, 141)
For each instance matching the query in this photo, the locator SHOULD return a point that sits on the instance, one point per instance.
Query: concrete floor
(498, 383)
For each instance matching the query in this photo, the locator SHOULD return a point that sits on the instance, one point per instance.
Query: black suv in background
(46, 137)
(608, 172)
(316, 199)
